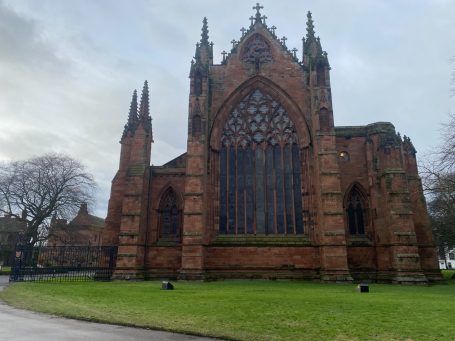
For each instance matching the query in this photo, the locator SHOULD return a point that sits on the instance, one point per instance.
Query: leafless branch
(35, 190)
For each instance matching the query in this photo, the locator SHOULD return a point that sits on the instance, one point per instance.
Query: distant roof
(178, 162)
(87, 219)
(10, 224)
(82, 220)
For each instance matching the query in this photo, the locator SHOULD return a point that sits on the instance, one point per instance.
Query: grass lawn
(254, 310)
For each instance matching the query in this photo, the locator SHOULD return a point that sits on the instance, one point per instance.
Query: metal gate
(63, 263)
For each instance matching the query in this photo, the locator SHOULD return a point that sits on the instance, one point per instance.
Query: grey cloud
(23, 46)
(68, 68)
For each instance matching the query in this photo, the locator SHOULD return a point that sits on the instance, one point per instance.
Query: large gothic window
(170, 215)
(355, 212)
(260, 170)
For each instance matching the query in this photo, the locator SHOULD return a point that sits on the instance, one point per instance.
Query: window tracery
(260, 170)
(355, 213)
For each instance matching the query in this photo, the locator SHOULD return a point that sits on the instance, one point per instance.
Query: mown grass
(254, 310)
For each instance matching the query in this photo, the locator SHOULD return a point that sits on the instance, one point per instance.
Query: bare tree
(438, 174)
(36, 190)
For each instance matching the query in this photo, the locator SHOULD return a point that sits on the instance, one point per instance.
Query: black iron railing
(63, 263)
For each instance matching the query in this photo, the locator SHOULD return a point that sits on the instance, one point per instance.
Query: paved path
(23, 325)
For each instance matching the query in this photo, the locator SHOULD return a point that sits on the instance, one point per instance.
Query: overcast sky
(68, 68)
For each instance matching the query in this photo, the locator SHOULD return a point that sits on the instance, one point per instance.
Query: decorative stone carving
(257, 51)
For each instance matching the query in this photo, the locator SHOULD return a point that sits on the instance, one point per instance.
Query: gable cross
(233, 42)
(294, 52)
(283, 40)
(243, 29)
(273, 28)
(224, 53)
(263, 19)
(257, 8)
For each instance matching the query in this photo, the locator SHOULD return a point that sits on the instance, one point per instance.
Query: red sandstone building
(268, 187)
(84, 229)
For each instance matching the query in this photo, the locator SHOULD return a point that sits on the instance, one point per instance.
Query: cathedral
(268, 186)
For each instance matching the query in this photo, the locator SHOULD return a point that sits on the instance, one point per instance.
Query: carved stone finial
(224, 53)
(205, 32)
(243, 30)
(233, 42)
(283, 41)
(130, 126)
(252, 21)
(144, 110)
(132, 116)
(309, 26)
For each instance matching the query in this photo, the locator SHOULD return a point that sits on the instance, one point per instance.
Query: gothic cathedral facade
(268, 187)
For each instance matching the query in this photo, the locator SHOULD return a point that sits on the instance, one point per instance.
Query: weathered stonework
(360, 196)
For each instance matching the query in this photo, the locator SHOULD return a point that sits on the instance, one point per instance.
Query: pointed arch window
(170, 216)
(260, 170)
(356, 212)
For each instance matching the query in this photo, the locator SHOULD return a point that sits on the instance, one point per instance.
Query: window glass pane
(297, 190)
(223, 190)
(231, 195)
(249, 190)
(260, 192)
(288, 189)
(279, 179)
(270, 191)
(240, 189)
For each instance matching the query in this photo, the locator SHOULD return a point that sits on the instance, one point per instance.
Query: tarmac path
(23, 325)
